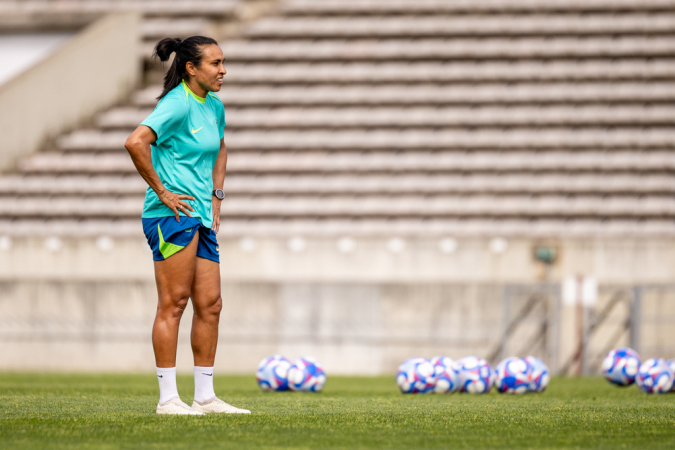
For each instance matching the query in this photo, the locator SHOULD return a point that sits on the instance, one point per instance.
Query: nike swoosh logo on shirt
(194, 131)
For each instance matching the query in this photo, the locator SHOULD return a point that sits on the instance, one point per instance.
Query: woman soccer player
(180, 152)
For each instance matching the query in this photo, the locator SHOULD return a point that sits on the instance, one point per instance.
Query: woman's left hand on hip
(216, 215)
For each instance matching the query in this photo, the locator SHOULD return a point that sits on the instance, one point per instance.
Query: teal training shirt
(189, 129)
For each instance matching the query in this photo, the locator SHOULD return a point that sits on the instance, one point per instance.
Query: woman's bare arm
(138, 146)
(218, 181)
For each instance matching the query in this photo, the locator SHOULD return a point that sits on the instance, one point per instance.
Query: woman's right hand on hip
(176, 204)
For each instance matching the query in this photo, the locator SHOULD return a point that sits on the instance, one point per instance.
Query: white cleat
(216, 405)
(176, 406)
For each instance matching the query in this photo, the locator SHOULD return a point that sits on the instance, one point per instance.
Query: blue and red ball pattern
(447, 377)
(416, 376)
(272, 373)
(514, 376)
(654, 377)
(540, 374)
(621, 365)
(306, 375)
(476, 375)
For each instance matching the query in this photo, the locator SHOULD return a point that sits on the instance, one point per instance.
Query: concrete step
(463, 25)
(160, 27)
(514, 206)
(421, 117)
(18, 184)
(381, 162)
(238, 95)
(407, 139)
(412, 72)
(448, 49)
(162, 8)
(379, 7)
(71, 206)
(358, 184)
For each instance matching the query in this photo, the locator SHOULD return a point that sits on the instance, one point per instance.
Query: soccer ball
(447, 378)
(272, 373)
(416, 376)
(514, 376)
(671, 366)
(306, 375)
(540, 374)
(621, 365)
(654, 376)
(476, 375)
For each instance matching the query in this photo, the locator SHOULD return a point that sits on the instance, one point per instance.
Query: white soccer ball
(540, 374)
(416, 376)
(671, 366)
(654, 376)
(513, 376)
(447, 378)
(476, 375)
(272, 373)
(621, 365)
(306, 375)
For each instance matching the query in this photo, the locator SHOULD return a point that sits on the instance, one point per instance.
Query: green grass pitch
(59, 411)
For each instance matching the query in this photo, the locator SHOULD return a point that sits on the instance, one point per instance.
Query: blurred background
(405, 178)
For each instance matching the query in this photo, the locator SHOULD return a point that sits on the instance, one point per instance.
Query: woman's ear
(190, 69)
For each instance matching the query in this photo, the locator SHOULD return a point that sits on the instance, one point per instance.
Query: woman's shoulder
(214, 100)
(176, 100)
(177, 94)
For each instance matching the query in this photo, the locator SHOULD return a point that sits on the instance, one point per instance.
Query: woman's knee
(218, 306)
(211, 309)
(173, 307)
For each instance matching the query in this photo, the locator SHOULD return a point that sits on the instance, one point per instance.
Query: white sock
(167, 384)
(204, 384)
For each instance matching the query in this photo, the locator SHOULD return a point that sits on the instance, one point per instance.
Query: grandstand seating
(152, 8)
(463, 117)
(162, 18)
(464, 25)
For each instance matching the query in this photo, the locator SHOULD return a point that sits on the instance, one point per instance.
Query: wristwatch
(219, 194)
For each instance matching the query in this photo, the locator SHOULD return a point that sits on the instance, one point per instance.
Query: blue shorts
(167, 237)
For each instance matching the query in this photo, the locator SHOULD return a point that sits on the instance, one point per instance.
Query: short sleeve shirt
(189, 130)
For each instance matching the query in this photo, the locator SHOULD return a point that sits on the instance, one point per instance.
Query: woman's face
(209, 74)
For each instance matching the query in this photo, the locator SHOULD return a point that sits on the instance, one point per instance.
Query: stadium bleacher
(151, 8)
(473, 117)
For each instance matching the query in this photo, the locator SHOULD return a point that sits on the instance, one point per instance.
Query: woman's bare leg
(207, 304)
(174, 278)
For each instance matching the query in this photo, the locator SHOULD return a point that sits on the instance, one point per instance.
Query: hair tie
(178, 42)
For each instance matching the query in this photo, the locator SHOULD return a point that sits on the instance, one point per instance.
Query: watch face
(219, 194)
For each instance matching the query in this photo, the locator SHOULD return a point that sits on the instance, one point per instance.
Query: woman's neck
(196, 89)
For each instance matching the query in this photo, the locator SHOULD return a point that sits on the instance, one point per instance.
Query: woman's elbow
(132, 143)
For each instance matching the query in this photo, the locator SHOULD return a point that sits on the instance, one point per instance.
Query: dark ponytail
(189, 50)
